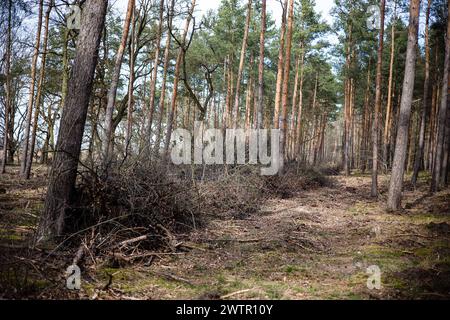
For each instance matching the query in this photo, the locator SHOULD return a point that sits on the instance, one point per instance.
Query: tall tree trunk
(375, 124)
(61, 187)
(151, 106)
(281, 64)
(436, 179)
(249, 96)
(285, 95)
(130, 102)
(366, 118)
(112, 93)
(294, 108)
(26, 136)
(241, 65)
(8, 55)
(173, 109)
(30, 154)
(259, 108)
(300, 104)
(446, 156)
(420, 149)
(347, 100)
(162, 99)
(386, 135)
(398, 166)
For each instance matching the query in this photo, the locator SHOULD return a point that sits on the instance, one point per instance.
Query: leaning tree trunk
(398, 166)
(420, 150)
(26, 136)
(375, 124)
(437, 168)
(114, 84)
(285, 95)
(61, 187)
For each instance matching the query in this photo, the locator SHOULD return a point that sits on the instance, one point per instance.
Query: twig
(235, 293)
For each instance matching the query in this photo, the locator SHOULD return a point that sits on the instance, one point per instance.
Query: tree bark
(398, 167)
(61, 187)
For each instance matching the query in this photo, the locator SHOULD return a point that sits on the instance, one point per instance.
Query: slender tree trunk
(300, 104)
(347, 98)
(112, 93)
(162, 99)
(420, 150)
(436, 179)
(446, 156)
(249, 96)
(285, 96)
(281, 64)
(375, 127)
(259, 108)
(130, 102)
(173, 109)
(293, 108)
(398, 167)
(26, 136)
(39, 93)
(241, 65)
(61, 187)
(389, 97)
(151, 106)
(366, 117)
(7, 87)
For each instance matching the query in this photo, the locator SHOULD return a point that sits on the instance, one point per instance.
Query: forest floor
(317, 244)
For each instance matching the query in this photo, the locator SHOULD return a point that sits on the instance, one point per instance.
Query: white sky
(322, 6)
